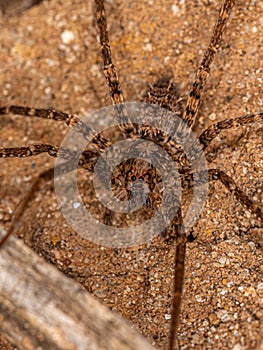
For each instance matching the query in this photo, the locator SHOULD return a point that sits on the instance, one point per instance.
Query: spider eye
(141, 178)
(133, 178)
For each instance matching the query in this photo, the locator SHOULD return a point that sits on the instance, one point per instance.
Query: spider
(163, 248)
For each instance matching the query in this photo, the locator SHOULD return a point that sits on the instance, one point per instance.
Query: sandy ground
(42, 67)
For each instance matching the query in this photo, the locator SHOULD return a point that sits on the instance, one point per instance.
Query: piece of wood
(40, 308)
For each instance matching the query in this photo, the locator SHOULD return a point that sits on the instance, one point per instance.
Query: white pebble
(222, 260)
(237, 347)
(148, 47)
(47, 90)
(175, 9)
(199, 298)
(76, 205)
(67, 36)
(223, 315)
(252, 245)
(212, 116)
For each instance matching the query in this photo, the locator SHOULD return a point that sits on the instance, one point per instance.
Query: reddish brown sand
(223, 298)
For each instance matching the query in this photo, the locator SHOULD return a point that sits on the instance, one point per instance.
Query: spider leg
(202, 74)
(179, 267)
(87, 159)
(98, 141)
(46, 175)
(189, 180)
(230, 184)
(182, 239)
(110, 71)
(215, 129)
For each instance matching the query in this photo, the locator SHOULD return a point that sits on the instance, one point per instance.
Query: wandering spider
(146, 275)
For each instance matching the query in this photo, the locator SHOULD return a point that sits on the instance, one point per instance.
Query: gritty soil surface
(50, 58)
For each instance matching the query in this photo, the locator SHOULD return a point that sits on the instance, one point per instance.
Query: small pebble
(67, 36)
(223, 315)
(175, 9)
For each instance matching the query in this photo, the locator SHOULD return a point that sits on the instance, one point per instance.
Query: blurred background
(11, 7)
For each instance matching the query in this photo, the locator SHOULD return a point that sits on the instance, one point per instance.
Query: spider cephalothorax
(137, 180)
